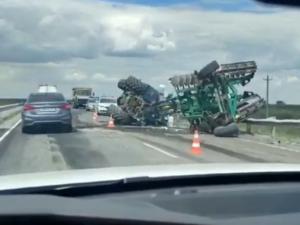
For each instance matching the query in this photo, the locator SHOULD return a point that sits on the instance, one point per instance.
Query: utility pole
(268, 79)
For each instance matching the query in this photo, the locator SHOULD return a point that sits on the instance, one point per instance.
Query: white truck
(45, 88)
(80, 96)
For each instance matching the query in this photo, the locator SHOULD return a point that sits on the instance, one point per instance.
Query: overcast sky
(95, 43)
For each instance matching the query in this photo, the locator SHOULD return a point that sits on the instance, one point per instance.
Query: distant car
(92, 104)
(46, 109)
(104, 103)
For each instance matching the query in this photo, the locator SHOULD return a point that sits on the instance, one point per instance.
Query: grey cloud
(154, 44)
(63, 30)
(26, 40)
(130, 53)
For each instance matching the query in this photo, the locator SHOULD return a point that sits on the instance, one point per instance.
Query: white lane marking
(10, 130)
(270, 145)
(159, 150)
(99, 129)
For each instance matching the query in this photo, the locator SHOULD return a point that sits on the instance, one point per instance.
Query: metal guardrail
(273, 122)
(10, 106)
(270, 122)
(7, 112)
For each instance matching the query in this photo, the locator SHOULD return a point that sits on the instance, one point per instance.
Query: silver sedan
(46, 109)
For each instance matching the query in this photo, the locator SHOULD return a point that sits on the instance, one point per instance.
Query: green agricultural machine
(209, 98)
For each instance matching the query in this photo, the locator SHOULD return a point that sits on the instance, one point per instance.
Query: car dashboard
(270, 201)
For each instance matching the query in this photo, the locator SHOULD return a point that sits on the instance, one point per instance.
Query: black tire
(208, 69)
(231, 130)
(136, 85)
(68, 128)
(122, 84)
(26, 130)
(130, 83)
(120, 100)
(120, 117)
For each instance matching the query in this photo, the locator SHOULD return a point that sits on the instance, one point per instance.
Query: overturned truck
(209, 99)
(140, 104)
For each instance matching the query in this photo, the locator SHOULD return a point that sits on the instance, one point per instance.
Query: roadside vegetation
(7, 101)
(283, 133)
(280, 112)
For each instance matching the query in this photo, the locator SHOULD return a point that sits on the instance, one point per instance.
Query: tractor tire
(125, 84)
(231, 130)
(129, 83)
(120, 117)
(208, 69)
(140, 87)
(135, 85)
(122, 84)
(26, 130)
(121, 100)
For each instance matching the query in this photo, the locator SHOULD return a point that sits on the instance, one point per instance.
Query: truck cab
(80, 96)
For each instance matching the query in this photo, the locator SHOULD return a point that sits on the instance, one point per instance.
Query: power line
(268, 79)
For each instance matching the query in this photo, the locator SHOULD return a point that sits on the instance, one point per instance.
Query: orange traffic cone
(196, 147)
(111, 123)
(95, 116)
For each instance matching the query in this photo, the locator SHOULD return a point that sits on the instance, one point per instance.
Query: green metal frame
(233, 103)
(199, 101)
(210, 96)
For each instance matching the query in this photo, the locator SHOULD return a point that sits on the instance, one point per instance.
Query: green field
(7, 101)
(280, 112)
(283, 133)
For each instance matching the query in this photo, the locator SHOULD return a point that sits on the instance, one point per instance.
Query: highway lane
(92, 145)
(84, 148)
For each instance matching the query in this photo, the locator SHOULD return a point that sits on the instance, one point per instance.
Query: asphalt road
(92, 145)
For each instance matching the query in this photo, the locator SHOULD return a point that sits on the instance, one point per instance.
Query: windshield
(49, 97)
(82, 92)
(107, 100)
(180, 82)
(92, 100)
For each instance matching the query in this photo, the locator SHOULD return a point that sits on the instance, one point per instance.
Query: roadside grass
(8, 101)
(280, 112)
(3, 119)
(284, 133)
